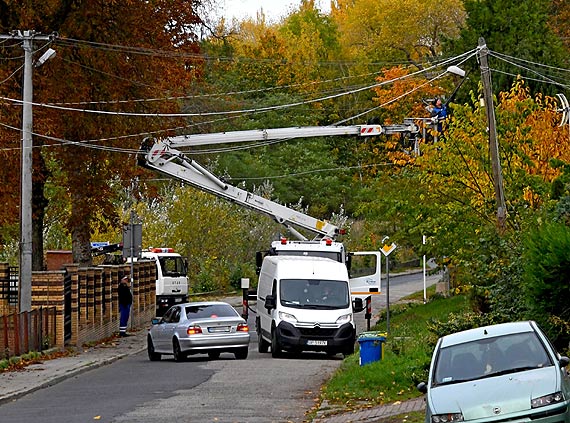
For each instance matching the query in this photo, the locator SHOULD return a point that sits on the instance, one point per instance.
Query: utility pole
(493, 144)
(25, 271)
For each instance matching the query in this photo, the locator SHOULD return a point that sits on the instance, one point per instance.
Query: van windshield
(336, 256)
(314, 293)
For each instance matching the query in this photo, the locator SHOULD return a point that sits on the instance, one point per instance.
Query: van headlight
(547, 400)
(287, 317)
(344, 319)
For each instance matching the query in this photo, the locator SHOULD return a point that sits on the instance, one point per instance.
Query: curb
(374, 414)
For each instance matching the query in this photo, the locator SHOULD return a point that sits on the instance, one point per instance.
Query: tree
(517, 28)
(386, 31)
(92, 71)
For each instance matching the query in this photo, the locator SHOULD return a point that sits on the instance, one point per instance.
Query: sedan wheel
(241, 354)
(152, 355)
(178, 354)
(214, 355)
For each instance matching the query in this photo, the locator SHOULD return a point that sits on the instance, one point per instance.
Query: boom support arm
(162, 158)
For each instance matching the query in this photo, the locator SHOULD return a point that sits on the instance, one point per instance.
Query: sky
(273, 9)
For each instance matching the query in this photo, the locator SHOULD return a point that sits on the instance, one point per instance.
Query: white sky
(273, 9)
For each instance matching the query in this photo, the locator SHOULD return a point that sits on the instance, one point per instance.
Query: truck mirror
(270, 302)
(357, 305)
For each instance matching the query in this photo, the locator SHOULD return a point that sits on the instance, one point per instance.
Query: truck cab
(171, 277)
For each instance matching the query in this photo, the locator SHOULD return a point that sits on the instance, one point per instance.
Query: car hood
(494, 396)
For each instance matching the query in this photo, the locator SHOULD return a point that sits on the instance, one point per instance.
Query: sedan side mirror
(564, 361)
(155, 320)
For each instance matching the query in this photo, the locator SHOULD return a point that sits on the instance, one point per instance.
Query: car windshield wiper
(507, 371)
(453, 381)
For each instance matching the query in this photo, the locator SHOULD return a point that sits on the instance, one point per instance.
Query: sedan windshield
(490, 357)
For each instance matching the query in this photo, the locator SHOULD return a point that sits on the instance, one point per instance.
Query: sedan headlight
(547, 400)
(344, 319)
(445, 418)
(287, 317)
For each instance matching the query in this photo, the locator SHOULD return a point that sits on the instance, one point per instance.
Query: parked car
(498, 373)
(209, 327)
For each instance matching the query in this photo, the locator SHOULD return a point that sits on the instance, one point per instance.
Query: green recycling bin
(371, 347)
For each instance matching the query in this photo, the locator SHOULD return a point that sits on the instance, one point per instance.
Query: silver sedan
(208, 327)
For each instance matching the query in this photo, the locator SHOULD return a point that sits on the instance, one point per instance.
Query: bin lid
(372, 336)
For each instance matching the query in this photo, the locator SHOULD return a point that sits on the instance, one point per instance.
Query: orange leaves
(408, 90)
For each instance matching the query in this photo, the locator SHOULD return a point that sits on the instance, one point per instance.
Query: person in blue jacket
(439, 113)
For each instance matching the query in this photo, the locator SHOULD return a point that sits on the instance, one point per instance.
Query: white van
(304, 304)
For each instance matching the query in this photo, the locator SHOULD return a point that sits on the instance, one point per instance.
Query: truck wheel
(275, 347)
(152, 355)
(262, 344)
(241, 354)
(178, 354)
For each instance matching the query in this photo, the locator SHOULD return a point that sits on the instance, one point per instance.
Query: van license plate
(316, 342)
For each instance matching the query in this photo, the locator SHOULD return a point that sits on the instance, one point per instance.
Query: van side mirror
(357, 305)
(270, 302)
(258, 261)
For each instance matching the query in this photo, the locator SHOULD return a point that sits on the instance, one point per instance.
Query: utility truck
(171, 277)
(171, 271)
(166, 157)
(304, 290)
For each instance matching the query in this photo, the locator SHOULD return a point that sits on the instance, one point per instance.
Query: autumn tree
(110, 57)
(385, 31)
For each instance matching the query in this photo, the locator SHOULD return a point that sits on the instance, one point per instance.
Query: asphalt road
(257, 390)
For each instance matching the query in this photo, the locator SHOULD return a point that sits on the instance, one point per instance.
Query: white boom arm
(163, 157)
(289, 133)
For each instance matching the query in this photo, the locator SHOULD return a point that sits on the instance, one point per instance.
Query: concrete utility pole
(25, 271)
(493, 144)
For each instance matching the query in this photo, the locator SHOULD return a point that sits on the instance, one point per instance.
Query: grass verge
(406, 357)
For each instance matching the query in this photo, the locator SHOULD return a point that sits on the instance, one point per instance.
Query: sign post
(386, 250)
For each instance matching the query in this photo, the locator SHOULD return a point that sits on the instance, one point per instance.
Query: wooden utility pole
(493, 144)
(25, 271)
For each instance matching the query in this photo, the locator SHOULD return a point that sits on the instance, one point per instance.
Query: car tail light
(193, 330)
(243, 327)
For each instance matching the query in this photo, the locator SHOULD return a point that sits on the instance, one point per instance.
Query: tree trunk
(80, 232)
(39, 204)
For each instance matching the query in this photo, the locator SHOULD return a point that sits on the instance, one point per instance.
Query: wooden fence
(28, 331)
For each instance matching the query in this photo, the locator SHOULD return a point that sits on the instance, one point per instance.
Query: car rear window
(210, 310)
